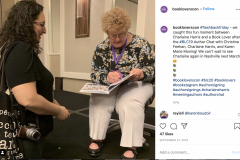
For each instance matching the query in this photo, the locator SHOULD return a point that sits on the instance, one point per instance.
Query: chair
(115, 125)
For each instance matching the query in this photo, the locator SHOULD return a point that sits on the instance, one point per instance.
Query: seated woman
(121, 54)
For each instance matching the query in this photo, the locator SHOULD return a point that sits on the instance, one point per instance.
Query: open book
(101, 88)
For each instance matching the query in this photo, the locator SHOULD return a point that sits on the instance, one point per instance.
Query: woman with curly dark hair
(30, 82)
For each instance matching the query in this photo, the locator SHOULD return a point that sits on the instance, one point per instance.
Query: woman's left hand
(138, 74)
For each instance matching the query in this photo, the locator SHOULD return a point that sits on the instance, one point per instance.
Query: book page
(121, 80)
(94, 88)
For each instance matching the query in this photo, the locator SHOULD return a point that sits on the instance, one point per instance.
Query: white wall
(6, 6)
(41, 56)
(79, 51)
(146, 20)
(149, 32)
(1, 21)
(54, 34)
(132, 10)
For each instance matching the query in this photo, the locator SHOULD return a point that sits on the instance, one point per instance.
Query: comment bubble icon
(173, 126)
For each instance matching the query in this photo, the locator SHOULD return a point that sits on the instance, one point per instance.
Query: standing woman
(121, 54)
(30, 82)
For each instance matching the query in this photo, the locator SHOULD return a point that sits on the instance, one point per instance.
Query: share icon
(184, 125)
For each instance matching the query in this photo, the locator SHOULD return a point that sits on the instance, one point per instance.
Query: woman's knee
(148, 87)
(100, 106)
(137, 91)
(133, 106)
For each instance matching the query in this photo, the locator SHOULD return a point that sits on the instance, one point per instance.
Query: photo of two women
(49, 50)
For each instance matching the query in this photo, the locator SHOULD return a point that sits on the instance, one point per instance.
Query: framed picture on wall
(82, 18)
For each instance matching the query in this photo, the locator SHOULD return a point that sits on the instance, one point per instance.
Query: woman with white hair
(121, 54)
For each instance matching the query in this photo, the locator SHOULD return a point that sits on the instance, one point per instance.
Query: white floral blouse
(137, 54)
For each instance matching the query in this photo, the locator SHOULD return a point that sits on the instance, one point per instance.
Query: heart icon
(162, 125)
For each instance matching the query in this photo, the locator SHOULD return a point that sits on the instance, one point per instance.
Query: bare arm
(56, 102)
(26, 95)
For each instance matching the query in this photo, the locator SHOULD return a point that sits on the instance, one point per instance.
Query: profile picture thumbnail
(163, 115)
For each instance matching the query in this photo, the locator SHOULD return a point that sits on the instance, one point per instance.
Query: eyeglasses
(114, 36)
(40, 24)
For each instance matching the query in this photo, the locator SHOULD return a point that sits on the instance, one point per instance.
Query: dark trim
(58, 83)
(134, 1)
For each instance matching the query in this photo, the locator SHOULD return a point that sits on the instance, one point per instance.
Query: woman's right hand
(63, 114)
(113, 77)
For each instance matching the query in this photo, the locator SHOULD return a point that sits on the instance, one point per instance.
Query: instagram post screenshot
(197, 82)
(77, 80)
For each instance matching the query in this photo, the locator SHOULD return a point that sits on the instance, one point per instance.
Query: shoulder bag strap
(4, 54)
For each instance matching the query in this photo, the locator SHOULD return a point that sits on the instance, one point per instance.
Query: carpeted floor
(70, 138)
